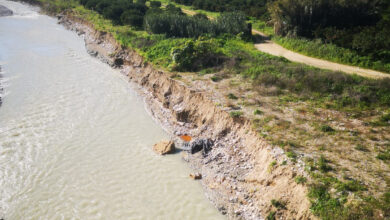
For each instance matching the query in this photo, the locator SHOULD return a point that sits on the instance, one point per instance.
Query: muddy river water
(75, 139)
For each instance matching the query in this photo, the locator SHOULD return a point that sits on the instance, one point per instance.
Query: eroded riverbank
(235, 173)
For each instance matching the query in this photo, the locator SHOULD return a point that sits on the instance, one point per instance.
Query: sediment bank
(1, 87)
(5, 11)
(236, 172)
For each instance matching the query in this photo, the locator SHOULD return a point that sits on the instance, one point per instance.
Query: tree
(102, 5)
(141, 2)
(302, 17)
(155, 4)
(232, 23)
(173, 9)
(114, 13)
(201, 16)
(132, 17)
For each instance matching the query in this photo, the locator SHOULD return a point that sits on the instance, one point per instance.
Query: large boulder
(164, 147)
(5, 11)
(199, 145)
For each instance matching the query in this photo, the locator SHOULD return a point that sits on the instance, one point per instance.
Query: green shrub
(201, 16)
(385, 118)
(133, 18)
(361, 148)
(383, 155)
(258, 112)
(160, 52)
(232, 96)
(195, 55)
(291, 154)
(271, 216)
(155, 4)
(215, 78)
(114, 13)
(326, 128)
(141, 2)
(300, 179)
(322, 164)
(233, 23)
(172, 9)
(351, 185)
(236, 114)
(323, 204)
(277, 204)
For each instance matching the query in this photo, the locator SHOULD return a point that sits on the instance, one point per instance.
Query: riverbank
(3, 12)
(256, 105)
(235, 173)
(1, 87)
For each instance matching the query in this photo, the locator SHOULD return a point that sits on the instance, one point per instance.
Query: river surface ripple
(75, 139)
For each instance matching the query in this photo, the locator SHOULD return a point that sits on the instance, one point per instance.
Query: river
(75, 139)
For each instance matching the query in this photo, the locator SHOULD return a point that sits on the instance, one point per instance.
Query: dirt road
(272, 48)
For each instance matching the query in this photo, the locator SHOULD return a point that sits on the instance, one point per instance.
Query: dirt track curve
(272, 48)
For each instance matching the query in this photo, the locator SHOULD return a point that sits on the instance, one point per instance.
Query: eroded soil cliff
(239, 174)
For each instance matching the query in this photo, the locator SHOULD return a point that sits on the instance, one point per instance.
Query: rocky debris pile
(198, 145)
(164, 147)
(5, 11)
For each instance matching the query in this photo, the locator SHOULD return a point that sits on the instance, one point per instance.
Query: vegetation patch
(360, 147)
(327, 129)
(236, 114)
(271, 216)
(277, 204)
(257, 112)
(232, 96)
(272, 166)
(300, 179)
(384, 155)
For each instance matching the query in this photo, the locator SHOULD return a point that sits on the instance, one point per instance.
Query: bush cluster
(255, 8)
(178, 25)
(119, 11)
(171, 21)
(196, 54)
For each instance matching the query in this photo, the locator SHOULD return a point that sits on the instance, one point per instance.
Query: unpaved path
(272, 48)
